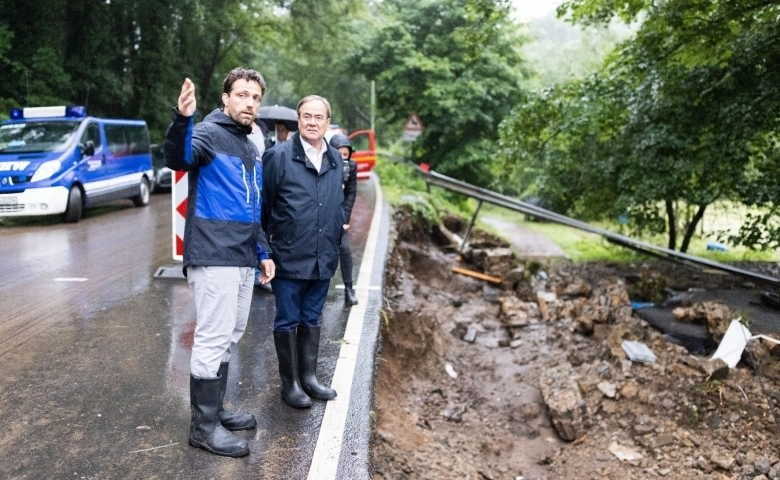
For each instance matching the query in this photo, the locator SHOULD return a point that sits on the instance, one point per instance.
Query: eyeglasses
(307, 117)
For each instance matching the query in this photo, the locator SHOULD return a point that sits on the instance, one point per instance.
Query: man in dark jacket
(344, 146)
(223, 243)
(303, 217)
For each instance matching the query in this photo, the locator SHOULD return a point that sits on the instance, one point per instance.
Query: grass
(583, 246)
(402, 185)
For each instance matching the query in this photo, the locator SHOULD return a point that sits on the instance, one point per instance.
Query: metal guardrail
(484, 195)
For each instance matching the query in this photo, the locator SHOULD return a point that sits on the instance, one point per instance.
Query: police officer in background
(223, 243)
(342, 143)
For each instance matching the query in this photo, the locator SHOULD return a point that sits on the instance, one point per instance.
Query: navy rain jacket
(303, 211)
(350, 188)
(224, 199)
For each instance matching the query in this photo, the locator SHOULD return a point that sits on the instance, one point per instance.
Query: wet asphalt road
(96, 351)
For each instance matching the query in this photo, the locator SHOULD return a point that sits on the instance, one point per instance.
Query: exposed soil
(448, 408)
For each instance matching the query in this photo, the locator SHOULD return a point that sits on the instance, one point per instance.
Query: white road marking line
(70, 279)
(325, 461)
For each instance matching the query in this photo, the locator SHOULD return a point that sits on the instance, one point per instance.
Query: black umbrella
(277, 113)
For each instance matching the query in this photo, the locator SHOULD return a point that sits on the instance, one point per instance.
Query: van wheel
(142, 199)
(73, 210)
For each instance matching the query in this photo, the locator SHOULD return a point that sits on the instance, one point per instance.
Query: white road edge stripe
(325, 461)
(70, 279)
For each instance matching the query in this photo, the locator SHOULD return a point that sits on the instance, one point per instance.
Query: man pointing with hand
(223, 243)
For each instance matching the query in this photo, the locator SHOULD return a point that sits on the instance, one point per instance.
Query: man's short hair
(312, 98)
(241, 73)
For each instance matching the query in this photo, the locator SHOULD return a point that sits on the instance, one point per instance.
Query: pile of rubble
(623, 402)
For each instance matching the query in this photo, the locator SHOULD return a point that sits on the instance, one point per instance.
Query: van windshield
(31, 137)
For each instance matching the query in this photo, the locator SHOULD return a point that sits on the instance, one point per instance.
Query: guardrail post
(471, 225)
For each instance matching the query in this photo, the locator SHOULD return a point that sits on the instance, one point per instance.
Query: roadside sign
(179, 212)
(412, 128)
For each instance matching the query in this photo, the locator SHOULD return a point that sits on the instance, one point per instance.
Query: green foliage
(402, 185)
(456, 63)
(680, 117)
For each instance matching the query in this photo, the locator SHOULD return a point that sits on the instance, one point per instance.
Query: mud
(448, 408)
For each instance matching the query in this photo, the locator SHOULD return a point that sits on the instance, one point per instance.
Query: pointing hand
(187, 102)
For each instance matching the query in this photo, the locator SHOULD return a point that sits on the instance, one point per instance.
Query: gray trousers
(222, 299)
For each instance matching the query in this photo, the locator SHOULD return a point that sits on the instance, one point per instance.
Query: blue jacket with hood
(224, 199)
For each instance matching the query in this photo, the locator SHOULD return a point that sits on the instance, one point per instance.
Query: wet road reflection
(96, 383)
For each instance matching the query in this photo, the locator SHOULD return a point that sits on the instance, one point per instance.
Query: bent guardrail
(484, 195)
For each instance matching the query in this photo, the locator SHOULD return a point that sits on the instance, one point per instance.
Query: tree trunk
(691, 229)
(672, 218)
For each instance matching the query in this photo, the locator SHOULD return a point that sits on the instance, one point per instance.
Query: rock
(576, 288)
(716, 369)
(617, 334)
(491, 293)
(703, 465)
(542, 299)
(517, 313)
(624, 453)
(496, 262)
(763, 465)
(643, 428)
(608, 304)
(663, 440)
(718, 316)
(629, 390)
(759, 355)
(608, 389)
(681, 313)
(713, 369)
(471, 334)
(568, 411)
(513, 277)
(722, 460)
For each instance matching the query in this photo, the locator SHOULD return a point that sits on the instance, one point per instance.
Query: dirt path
(528, 243)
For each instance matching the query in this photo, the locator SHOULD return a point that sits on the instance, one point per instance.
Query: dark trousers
(298, 302)
(345, 257)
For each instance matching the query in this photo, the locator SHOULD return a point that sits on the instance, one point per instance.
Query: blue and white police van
(58, 160)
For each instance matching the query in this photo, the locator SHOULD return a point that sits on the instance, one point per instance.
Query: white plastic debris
(638, 352)
(734, 343)
(450, 371)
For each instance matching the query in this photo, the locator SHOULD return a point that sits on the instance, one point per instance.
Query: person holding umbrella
(282, 132)
(303, 215)
(282, 119)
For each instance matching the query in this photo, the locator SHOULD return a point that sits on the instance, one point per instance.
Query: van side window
(92, 133)
(127, 139)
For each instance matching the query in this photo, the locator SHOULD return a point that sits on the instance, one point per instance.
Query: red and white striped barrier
(179, 212)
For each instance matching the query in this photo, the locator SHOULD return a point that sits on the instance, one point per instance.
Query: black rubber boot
(308, 351)
(231, 420)
(205, 430)
(292, 393)
(349, 295)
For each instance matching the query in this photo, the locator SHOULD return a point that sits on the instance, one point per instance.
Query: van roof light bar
(48, 112)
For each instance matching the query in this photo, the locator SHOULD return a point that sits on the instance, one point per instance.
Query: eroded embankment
(452, 408)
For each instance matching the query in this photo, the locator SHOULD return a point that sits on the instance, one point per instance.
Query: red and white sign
(179, 212)
(412, 128)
